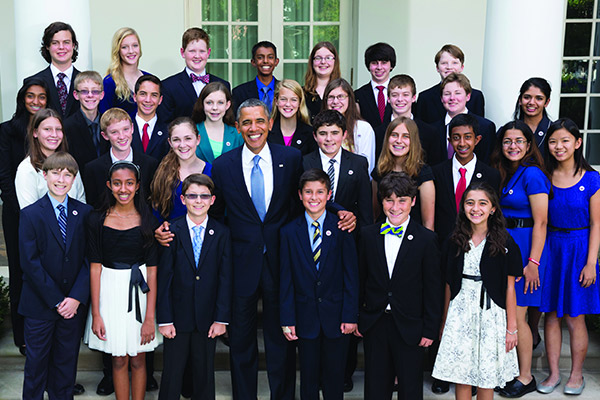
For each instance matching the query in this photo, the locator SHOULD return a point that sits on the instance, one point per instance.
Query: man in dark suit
(181, 90)
(117, 129)
(194, 292)
(56, 282)
(82, 129)
(264, 59)
(380, 60)
(59, 49)
(429, 108)
(402, 93)
(456, 92)
(149, 132)
(401, 294)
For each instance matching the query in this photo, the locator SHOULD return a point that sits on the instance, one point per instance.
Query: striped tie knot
(386, 229)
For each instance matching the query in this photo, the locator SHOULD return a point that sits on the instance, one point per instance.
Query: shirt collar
(384, 84)
(140, 122)
(128, 158)
(87, 120)
(449, 118)
(188, 71)
(248, 156)
(55, 202)
(191, 224)
(260, 85)
(470, 166)
(404, 225)
(325, 159)
(55, 71)
(320, 220)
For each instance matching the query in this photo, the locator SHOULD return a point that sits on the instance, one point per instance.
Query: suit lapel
(51, 220)
(328, 234)
(188, 88)
(343, 176)
(236, 172)
(305, 243)
(186, 241)
(72, 221)
(278, 177)
(70, 98)
(449, 184)
(207, 243)
(156, 137)
(407, 239)
(380, 250)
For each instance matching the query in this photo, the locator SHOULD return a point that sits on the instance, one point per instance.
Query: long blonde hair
(413, 162)
(290, 84)
(115, 69)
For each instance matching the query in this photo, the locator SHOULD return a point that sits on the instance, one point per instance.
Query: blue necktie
(265, 97)
(197, 243)
(316, 244)
(257, 188)
(62, 221)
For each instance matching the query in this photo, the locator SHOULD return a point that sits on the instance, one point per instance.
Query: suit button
(197, 278)
(389, 294)
(66, 259)
(65, 281)
(320, 300)
(318, 283)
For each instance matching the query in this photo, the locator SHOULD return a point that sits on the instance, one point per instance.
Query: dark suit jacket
(427, 135)
(245, 91)
(53, 102)
(311, 300)
(429, 106)
(484, 148)
(79, 139)
(193, 297)
(12, 152)
(445, 201)
(368, 106)
(303, 138)
(354, 186)
(96, 175)
(414, 290)
(158, 146)
(179, 96)
(51, 269)
(249, 234)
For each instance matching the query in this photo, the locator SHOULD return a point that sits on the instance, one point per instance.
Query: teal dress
(231, 140)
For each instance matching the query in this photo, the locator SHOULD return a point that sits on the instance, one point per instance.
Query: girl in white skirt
(480, 323)
(123, 258)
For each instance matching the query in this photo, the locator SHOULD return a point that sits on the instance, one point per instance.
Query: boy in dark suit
(56, 282)
(380, 60)
(59, 49)
(400, 295)
(264, 59)
(194, 291)
(83, 128)
(318, 289)
(149, 133)
(449, 59)
(182, 89)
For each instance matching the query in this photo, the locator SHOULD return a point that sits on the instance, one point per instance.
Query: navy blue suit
(158, 146)
(256, 268)
(245, 91)
(192, 297)
(53, 101)
(429, 106)
(179, 96)
(365, 97)
(317, 302)
(52, 271)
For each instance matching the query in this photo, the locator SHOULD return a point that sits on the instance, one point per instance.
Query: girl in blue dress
(524, 203)
(534, 97)
(569, 286)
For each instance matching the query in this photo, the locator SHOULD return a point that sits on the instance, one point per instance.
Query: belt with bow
(484, 298)
(136, 281)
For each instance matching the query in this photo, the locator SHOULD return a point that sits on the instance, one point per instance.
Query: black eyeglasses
(194, 196)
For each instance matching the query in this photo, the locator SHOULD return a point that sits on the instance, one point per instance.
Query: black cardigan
(494, 270)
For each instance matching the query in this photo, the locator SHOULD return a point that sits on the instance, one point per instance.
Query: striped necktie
(62, 221)
(331, 173)
(316, 243)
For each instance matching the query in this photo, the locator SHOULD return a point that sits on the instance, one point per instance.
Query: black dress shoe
(105, 387)
(473, 391)
(515, 389)
(348, 385)
(78, 389)
(23, 350)
(440, 387)
(151, 384)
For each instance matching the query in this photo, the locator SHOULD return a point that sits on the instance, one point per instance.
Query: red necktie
(145, 137)
(460, 188)
(381, 101)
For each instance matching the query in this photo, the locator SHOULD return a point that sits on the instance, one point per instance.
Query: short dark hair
(148, 78)
(266, 44)
(314, 175)
(198, 179)
(49, 33)
(380, 52)
(328, 118)
(398, 183)
(464, 120)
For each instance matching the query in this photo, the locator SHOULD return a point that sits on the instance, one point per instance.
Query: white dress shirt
(140, 124)
(265, 164)
(392, 245)
(470, 166)
(336, 167)
(115, 159)
(67, 80)
(376, 91)
(198, 85)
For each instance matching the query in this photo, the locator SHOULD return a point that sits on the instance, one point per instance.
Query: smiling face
(264, 61)
(401, 99)
(89, 94)
(61, 49)
(215, 106)
(254, 125)
(533, 102)
(397, 209)
(380, 71)
(197, 199)
(448, 64)
(463, 140)
(123, 185)
(184, 141)
(119, 135)
(314, 196)
(323, 63)
(130, 50)
(329, 139)
(562, 145)
(287, 103)
(49, 135)
(35, 99)
(59, 182)
(514, 146)
(148, 98)
(337, 100)
(455, 98)
(399, 141)
(478, 208)
(196, 55)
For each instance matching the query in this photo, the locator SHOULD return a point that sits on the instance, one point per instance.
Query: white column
(523, 39)
(33, 16)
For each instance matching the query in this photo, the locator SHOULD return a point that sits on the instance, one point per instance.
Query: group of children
(515, 216)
